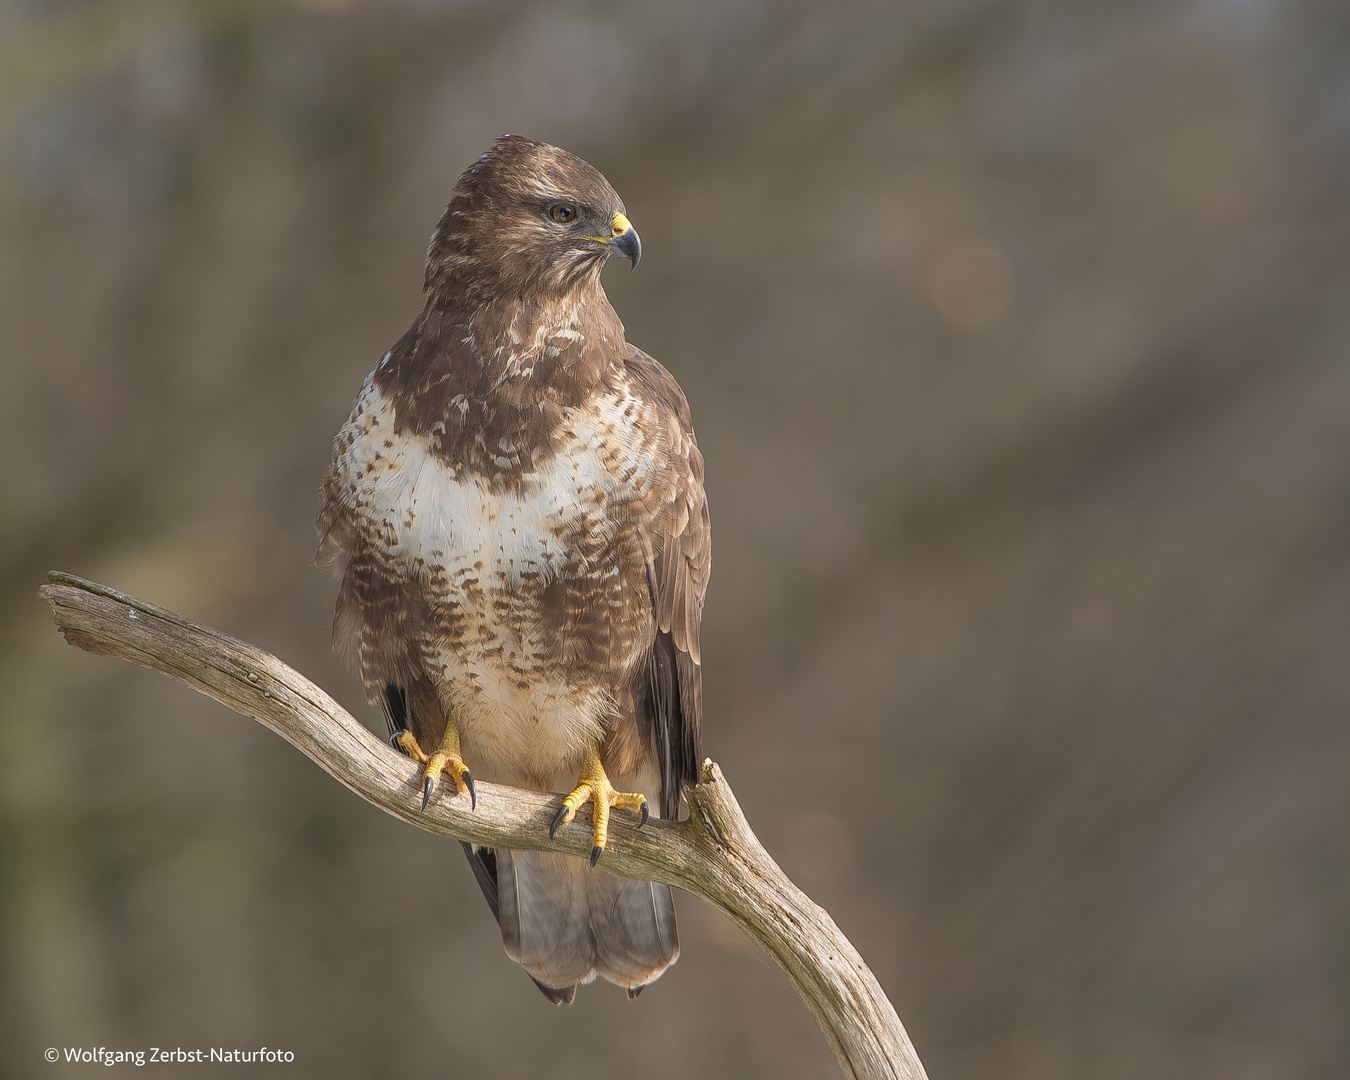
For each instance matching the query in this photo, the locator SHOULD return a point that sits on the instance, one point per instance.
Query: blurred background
(1016, 340)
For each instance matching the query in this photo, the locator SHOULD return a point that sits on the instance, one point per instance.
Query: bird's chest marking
(427, 518)
(485, 553)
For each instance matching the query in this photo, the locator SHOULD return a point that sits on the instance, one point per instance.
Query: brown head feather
(496, 237)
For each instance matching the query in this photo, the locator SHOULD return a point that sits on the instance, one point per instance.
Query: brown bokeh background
(1016, 336)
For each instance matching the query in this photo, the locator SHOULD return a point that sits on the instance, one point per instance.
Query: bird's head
(527, 217)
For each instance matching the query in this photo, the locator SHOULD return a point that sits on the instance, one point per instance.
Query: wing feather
(677, 538)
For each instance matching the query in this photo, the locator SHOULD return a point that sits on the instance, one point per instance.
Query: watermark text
(162, 1055)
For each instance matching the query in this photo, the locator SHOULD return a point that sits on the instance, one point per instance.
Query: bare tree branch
(713, 854)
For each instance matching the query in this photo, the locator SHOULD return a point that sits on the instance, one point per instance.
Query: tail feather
(566, 923)
(484, 863)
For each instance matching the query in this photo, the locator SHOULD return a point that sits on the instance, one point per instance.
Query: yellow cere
(621, 224)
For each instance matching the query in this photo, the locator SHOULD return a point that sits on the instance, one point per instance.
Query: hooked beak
(625, 240)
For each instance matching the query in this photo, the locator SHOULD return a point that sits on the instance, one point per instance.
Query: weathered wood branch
(713, 854)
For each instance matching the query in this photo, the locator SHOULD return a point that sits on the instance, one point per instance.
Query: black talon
(595, 855)
(426, 790)
(394, 741)
(644, 814)
(557, 820)
(467, 777)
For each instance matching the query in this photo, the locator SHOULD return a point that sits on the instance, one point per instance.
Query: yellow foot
(445, 759)
(593, 786)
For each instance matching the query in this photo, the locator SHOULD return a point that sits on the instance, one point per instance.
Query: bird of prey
(515, 510)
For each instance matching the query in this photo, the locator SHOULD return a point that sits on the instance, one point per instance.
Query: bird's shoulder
(647, 379)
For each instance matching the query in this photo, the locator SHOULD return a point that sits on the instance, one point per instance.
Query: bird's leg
(593, 786)
(445, 759)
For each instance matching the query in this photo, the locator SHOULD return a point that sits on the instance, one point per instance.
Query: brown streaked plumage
(515, 509)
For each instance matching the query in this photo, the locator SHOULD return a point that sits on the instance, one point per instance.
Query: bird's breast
(528, 581)
(429, 516)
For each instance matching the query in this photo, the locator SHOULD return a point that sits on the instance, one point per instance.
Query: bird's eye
(562, 213)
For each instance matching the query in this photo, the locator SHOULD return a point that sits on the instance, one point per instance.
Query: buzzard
(515, 510)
